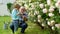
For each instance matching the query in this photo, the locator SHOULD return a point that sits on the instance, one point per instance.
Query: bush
(9, 6)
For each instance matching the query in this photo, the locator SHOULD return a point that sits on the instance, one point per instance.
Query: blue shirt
(14, 14)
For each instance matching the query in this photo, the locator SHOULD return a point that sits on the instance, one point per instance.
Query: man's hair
(23, 8)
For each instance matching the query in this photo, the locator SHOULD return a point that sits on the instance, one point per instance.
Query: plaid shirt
(25, 14)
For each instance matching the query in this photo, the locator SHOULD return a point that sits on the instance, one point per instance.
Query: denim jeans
(23, 25)
(14, 25)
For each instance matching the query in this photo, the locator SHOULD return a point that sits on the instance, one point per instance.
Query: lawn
(32, 27)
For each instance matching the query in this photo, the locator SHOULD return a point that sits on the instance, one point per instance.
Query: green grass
(32, 27)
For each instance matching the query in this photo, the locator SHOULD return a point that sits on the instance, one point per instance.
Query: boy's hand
(18, 14)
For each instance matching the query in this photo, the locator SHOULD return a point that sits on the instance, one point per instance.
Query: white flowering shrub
(40, 10)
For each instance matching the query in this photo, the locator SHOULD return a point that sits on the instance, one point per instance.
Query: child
(23, 19)
(15, 18)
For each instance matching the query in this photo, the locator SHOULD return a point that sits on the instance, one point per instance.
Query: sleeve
(26, 15)
(13, 13)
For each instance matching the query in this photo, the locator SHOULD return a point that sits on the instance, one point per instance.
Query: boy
(15, 18)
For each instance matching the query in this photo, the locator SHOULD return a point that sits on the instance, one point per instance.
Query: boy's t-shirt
(14, 14)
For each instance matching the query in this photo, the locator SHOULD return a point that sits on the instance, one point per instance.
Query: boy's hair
(17, 6)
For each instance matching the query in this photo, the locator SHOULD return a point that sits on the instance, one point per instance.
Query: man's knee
(24, 25)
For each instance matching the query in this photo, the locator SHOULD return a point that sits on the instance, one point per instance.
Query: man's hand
(24, 18)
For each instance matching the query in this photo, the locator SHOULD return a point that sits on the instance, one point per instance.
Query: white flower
(45, 5)
(41, 5)
(55, 0)
(37, 2)
(51, 10)
(29, 0)
(59, 10)
(57, 25)
(45, 10)
(29, 13)
(46, 18)
(34, 20)
(52, 6)
(52, 22)
(48, 2)
(53, 28)
(30, 8)
(48, 23)
(26, 6)
(32, 15)
(58, 4)
(22, 1)
(51, 14)
(36, 13)
(43, 24)
(39, 20)
(39, 16)
(33, 6)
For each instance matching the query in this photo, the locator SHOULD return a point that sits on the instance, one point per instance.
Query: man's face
(22, 10)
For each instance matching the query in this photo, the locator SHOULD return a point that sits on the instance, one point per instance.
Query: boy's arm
(18, 13)
(14, 14)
